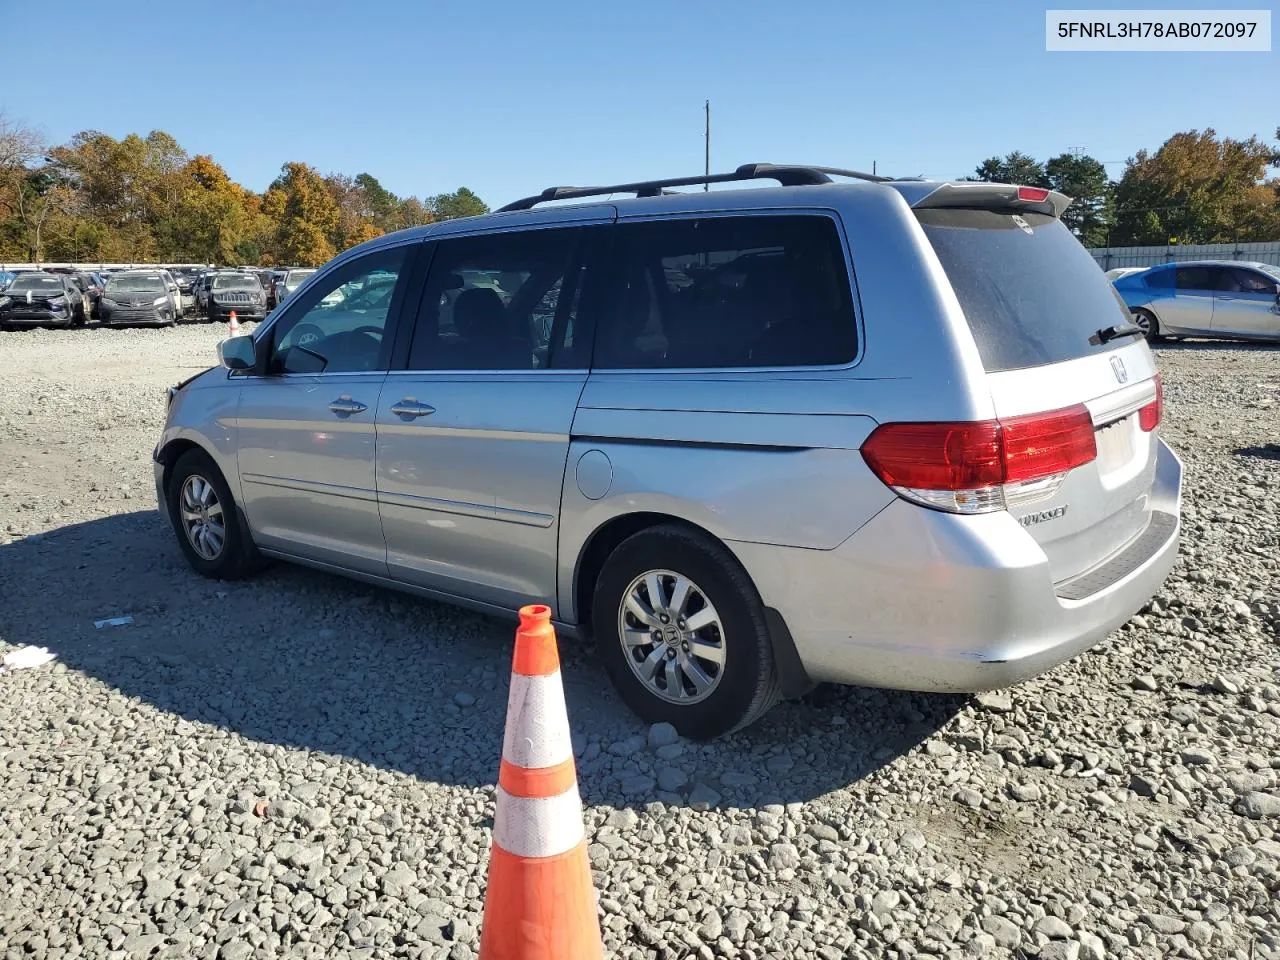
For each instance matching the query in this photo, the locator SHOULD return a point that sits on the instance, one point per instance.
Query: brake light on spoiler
(985, 465)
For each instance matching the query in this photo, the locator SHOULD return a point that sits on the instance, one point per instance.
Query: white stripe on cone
(538, 828)
(537, 732)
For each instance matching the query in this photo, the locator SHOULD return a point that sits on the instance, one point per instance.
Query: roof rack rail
(787, 175)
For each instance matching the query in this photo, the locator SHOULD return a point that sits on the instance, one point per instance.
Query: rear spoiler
(1004, 196)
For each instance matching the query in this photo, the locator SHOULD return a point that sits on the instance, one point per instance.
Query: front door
(473, 435)
(1246, 304)
(306, 416)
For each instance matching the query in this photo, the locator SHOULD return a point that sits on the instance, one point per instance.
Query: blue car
(1224, 299)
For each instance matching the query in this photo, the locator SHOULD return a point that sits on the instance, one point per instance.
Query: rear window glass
(1030, 291)
(756, 291)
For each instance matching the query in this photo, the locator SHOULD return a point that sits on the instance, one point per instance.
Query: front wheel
(207, 521)
(681, 631)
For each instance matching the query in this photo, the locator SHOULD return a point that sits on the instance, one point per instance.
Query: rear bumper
(923, 600)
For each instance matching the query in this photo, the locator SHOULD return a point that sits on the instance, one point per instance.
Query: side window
(1197, 278)
(502, 301)
(340, 326)
(1159, 279)
(743, 291)
(1237, 280)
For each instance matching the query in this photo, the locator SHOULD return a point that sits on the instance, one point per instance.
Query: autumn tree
(306, 216)
(1198, 188)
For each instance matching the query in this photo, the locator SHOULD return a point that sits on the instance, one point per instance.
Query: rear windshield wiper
(1112, 333)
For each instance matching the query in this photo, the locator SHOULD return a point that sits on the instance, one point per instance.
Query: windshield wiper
(1112, 333)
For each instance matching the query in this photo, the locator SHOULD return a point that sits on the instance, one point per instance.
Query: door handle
(344, 406)
(411, 409)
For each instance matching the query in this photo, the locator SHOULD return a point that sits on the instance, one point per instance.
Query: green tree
(1198, 188)
(1084, 180)
(1016, 167)
(461, 203)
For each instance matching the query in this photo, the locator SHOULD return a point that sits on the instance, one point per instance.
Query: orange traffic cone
(233, 327)
(539, 904)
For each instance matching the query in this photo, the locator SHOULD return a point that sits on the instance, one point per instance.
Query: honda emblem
(1117, 365)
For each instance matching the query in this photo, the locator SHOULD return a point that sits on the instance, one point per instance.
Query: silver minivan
(887, 432)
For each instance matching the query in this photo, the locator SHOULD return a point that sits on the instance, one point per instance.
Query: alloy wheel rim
(202, 518)
(672, 637)
(1143, 323)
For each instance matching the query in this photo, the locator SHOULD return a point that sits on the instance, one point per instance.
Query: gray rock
(235, 950)
(464, 699)
(784, 856)
(1145, 682)
(637, 784)
(398, 880)
(703, 796)
(885, 901)
(1005, 932)
(1143, 786)
(1258, 805)
(1060, 950)
(662, 735)
(736, 925)
(1053, 927)
(1197, 757)
(1091, 947)
(1026, 792)
(996, 701)
(1163, 924)
(672, 779)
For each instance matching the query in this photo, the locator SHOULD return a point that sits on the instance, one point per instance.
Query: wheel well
(603, 542)
(171, 453)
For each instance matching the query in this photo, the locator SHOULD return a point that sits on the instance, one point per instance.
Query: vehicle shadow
(308, 660)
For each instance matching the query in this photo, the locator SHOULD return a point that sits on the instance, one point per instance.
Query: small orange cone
(539, 904)
(233, 327)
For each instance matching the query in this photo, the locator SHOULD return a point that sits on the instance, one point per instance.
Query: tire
(1149, 324)
(238, 557)
(745, 684)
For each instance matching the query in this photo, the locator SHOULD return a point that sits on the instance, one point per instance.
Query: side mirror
(238, 353)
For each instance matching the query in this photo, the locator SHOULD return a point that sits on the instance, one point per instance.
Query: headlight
(106, 302)
(57, 302)
(159, 301)
(5, 301)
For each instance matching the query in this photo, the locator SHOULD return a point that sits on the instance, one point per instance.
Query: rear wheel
(1147, 322)
(207, 521)
(681, 631)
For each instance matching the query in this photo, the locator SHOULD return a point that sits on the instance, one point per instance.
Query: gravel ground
(300, 766)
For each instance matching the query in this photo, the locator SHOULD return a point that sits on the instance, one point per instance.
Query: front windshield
(142, 284)
(237, 281)
(37, 284)
(1270, 270)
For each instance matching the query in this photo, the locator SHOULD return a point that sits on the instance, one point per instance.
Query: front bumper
(923, 600)
(151, 316)
(248, 311)
(35, 318)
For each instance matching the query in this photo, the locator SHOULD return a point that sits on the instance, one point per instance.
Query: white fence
(1109, 257)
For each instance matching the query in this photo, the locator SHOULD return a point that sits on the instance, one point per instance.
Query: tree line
(1196, 188)
(145, 199)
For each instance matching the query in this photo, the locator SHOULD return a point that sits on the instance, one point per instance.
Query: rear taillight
(981, 466)
(1149, 416)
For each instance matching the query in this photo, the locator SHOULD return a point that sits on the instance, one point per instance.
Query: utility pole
(706, 163)
(873, 168)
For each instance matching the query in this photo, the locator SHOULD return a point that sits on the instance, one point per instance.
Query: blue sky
(510, 97)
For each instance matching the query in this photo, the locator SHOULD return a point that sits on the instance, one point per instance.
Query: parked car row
(65, 296)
